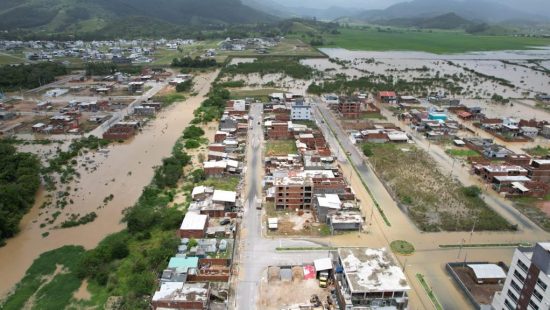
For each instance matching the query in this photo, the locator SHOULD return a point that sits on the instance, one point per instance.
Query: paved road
(256, 253)
(119, 115)
(429, 258)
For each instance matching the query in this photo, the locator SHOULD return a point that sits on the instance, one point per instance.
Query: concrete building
(546, 131)
(539, 170)
(349, 107)
(293, 192)
(528, 280)
(194, 225)
(180, 295)
(371, 279)
(344, 220)
(300, 110)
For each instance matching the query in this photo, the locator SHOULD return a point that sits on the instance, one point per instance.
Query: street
(256, 253)
(429, 259)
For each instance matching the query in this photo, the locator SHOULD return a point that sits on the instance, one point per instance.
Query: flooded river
(123, 172)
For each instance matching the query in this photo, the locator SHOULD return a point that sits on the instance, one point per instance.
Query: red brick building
(193, 226)
(539, 170)
(349, 107)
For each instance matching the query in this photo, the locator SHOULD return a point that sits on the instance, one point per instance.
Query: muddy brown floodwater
(138, 157)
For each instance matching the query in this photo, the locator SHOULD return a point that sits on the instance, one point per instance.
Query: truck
(323, 279)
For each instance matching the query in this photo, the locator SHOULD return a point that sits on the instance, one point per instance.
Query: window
(512, 296)
(522, 265)
(537, 295)
(541, 284)
(509, 305)
(519, 276)
(533, 305)
(516, 287)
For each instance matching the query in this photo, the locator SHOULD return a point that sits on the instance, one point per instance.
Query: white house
(300, 111)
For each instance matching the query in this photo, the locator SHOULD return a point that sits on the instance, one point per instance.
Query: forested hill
(89, 16)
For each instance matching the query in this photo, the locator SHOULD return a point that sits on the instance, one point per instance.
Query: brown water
(112, 176)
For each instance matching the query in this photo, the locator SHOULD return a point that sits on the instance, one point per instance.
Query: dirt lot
(301, 223)
(276, 294)
(483, 293)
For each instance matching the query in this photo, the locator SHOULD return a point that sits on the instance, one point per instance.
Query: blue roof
(183, 262)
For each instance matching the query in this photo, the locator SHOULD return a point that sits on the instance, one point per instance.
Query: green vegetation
(367, 150)
(194, 63)
(65, 158)
(107, 68)
(259, 94)
(233, 84)
(429, 291)
(280, 147)
(438, 42)
(269, 65)
(485, 245)
(19, 182)
(184, 86)
(462, 152)
(434, 201)
(169, 99)
(30, 75)
(63, 20)
(402, 247)
(225, 183)
(374, 83)
(75, 220)
(376, 204)
(213, 107)
(538, 151)
(533, 208)
(51, 289)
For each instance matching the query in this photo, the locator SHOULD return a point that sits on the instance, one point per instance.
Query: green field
(6, 59)
(433, 41)
(281, 147)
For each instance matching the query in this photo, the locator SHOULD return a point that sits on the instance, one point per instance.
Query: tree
(367, 150)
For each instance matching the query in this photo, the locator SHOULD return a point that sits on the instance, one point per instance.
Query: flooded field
(477, 73)
(122, 170)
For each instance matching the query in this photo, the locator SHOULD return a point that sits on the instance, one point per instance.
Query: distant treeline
(197, 62)
(29, 76)
(288, 66)
(19, 182)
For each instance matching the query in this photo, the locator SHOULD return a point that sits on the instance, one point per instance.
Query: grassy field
(6, 59)
(462, 152)
(281, 147)
(531, 208)
(433, 200)
(538, 151)
(260, 94)
(438, 42)
(225, 183)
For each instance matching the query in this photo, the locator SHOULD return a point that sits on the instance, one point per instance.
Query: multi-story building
(300, 110)
(371, 279)
(349, 107)
(293, 192)
(527, 284)
(539, 170)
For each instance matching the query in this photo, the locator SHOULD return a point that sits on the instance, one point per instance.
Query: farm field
(432, 41)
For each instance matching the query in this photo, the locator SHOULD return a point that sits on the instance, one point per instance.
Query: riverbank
(123, 173)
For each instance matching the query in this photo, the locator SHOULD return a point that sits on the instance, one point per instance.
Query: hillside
(84, 16)
(445, 21)
(479, 10)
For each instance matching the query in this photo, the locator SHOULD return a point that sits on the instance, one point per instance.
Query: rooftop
(182, 292)
(183, 263)
(488, 271)
(331, 201)
(194, 221)
(504, 168)
(372, 270)
(225, 196)
(512, 178)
